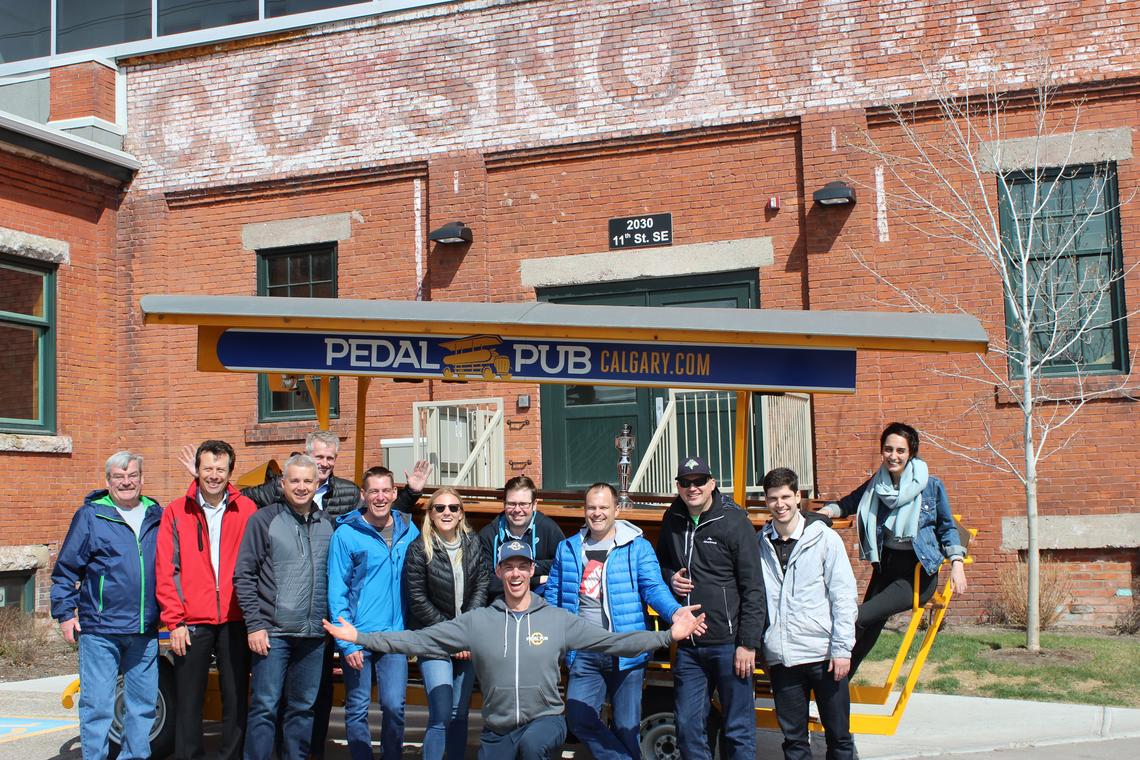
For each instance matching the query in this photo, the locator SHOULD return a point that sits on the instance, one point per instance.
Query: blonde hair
(428, 534)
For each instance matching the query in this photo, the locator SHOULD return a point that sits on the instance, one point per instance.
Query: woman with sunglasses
(445, 574)
(904, 520)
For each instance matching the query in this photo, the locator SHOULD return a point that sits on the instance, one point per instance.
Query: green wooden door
(579, 422)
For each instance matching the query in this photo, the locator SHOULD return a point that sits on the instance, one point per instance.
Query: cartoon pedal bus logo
(475, 356)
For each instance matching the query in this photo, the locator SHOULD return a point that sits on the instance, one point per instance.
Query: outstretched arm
(438, 640)
(583, 635)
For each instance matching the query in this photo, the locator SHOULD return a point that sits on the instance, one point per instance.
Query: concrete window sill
(32, 443)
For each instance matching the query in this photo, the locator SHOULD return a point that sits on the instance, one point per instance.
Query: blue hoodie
(114, 569)
(365, 574)
(631, 579)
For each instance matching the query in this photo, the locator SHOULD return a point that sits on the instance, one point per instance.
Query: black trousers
(890, 591)
(228, 644)
(791, 691)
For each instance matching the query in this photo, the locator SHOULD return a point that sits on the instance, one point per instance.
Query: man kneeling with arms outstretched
(515, 646)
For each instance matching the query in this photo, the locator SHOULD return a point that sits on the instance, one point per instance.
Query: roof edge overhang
(91, 157)
(886, 331)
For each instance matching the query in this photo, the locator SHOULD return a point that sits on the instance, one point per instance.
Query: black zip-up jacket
(543, 535)
(342, 497)
(429, 587)
(721, 554)
(281, 576)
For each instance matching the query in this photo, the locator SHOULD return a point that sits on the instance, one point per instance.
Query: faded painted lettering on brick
(491, 357)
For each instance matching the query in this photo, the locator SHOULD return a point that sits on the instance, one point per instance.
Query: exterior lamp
(452, 232)
(837, 193)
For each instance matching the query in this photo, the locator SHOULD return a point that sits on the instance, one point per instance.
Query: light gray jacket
(812, 606)
(516, 658)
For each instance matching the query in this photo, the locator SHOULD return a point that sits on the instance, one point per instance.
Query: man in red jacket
(198, 543)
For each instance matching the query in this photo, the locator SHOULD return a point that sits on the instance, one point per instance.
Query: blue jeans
(791, 689)
(594, 677)
(698, 669)
(448, 685)
(102, 658)
(391, 674)
(291, 670)
(541, 739)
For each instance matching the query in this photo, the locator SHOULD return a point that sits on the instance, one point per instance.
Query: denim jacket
(937, 535)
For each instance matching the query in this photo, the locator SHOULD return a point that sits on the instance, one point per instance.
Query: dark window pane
(279, 291)
(83, 24)
(588, 395)
(19, 372)
(299, 269)
(21, 291)
(275, 8)
(176, 16)
(322, 290)
(1076, 304)
(25, 29)
(278, 270)
(322, 267)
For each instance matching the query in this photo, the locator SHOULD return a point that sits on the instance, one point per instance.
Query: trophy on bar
(624, 443)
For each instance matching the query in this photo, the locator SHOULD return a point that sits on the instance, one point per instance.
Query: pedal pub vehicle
(741, 351)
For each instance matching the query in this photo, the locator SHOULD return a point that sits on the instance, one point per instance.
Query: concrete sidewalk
(939, 724)
(935, 725)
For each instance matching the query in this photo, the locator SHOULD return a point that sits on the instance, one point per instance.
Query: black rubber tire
(162, 732)
(659, 727)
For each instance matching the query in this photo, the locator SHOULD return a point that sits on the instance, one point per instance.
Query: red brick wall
(534, 123)
(82, 89)
(42, 200)
(1099, 581)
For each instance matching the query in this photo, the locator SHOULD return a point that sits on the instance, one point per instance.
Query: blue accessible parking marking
(22, 727)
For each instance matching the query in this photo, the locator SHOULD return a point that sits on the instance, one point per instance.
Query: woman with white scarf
(904, 519)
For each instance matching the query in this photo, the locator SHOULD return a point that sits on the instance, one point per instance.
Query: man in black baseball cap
(708, 555)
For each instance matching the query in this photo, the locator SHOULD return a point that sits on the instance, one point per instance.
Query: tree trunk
(1033, 553)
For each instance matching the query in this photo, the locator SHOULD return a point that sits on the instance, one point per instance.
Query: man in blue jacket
(607, 573)
(102, 593)
(366, 565)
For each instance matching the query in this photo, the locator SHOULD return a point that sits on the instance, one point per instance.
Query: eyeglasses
(517, 504)
(439, 508)
(698, 482)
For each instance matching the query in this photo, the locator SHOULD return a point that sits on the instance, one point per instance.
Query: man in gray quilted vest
(281, 585)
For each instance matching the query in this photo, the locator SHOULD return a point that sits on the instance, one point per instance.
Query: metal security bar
(463, 440)
(701, 422)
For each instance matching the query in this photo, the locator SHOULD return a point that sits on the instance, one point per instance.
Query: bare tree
(1005, 179)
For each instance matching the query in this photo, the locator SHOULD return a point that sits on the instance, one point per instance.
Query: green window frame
(305, 271)
(27, 334)
(23, 584)
(1077, 229)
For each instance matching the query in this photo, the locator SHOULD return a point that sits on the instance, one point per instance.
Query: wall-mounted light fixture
(452, 232)
(837, 193)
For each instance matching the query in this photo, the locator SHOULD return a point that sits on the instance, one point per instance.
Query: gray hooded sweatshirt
(516, 656)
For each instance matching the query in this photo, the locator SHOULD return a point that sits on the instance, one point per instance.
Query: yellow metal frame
(882, 724)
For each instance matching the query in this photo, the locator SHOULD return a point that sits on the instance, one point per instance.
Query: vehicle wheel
(659, 737)
(162, 732)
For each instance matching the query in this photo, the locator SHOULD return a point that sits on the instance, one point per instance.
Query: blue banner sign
(490, 357)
